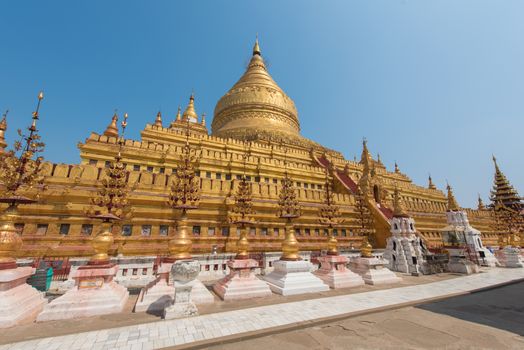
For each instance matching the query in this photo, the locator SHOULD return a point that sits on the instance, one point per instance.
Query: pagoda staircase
(381, 213)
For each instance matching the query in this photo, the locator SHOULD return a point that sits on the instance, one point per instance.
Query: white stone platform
(155, 297)
(294, 277)
(334, 273)
(19, 302)
(95, 293)
(211, 327)
(241, 283)
(374, 271)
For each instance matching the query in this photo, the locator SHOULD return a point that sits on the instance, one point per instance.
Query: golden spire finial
(3, 123)
(398, 207)
(452, 202)
(256, 48)
(365, 158)
(178, 115)
(431, 185)
(397, 170)
(329, 213)
(379, 161)
(481, 205)
(189, 113)
(3, 128)
(495, 162)
(203, 122)
(112, 128)
(158, 120)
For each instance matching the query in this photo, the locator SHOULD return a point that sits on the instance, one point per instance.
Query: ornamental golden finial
(190, 113)
(3, 128)
(112, 128)
(243, 209)
(397, 170)
(431, 185)
(19, 171)
(398, 207)
(480, 205)
(184, 196)
(330, 214)
(158, 119)
(112, 197)
(452, 202)
(256, 48)
(289, 209)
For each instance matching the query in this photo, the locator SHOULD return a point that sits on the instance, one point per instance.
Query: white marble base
(241, 283)
(19, 302)
(294, 277)
(334, 273)
(509, 257)
(156, 297)
(374, 271)
(183, 306)
(200, 294)
(94, 294)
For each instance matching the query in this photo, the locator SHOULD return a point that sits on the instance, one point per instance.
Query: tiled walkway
(185, 331)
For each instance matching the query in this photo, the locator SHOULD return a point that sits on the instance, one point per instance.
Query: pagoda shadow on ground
(501, 308)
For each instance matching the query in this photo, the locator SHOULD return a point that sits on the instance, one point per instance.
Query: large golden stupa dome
(256, 108)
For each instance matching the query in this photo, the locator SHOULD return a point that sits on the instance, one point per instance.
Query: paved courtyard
(229, 325)
(406, 328)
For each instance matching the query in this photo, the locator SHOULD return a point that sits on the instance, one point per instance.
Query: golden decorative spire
(178, 115)
(330, 214)
(112, 197)
(158, 120)
(243, 209)
(3, 128)
(481, 205)
(397, 170)
(203, 122)
(379, 161)
(365, 156)
(189, 113)
(398, 207)
(452, 202)
(19, 170)
(112, 128)
(184, 195)
(256, 48)
(431, 185)
(289, 209)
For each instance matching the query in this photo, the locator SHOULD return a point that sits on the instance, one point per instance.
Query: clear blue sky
(437, 86)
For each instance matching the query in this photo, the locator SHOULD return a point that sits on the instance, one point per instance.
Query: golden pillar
(242, 244)
(10, 241)
(366, 248)
(101, 244)
(181, 244)
(290, 245)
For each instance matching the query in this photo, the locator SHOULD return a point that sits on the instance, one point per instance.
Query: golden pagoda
(506, 208)
(257, 110)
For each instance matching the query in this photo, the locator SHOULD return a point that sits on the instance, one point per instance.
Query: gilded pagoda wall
(58, 225)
